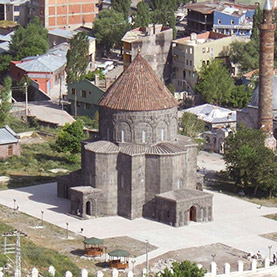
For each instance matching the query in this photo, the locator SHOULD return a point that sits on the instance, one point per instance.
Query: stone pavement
(210, 161)
(237, 223)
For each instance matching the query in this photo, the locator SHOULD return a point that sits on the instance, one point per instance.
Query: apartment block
(190, 53)
(64, 14)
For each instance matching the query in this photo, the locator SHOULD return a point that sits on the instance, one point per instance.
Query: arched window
(179, 183)
(162, 134)
(143, 136)
(122, 136)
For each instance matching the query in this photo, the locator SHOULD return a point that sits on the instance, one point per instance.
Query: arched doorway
(192, 213)
(88, 208)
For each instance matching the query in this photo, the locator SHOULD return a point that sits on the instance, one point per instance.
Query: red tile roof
(138, 88)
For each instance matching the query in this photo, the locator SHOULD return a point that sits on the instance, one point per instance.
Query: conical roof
(138, 88)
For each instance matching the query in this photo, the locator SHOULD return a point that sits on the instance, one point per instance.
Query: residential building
(227, 17)
(154, 45)
(64, 14)
(9, 143)
(214, 116)
(190, 53)
(58, 36)
(139, 166)
(47, 71)
(85, 96)
(104, 4)
(234, 21)
(14, 10)
(5, 42)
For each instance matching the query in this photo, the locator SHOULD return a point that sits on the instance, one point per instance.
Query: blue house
(233, 21)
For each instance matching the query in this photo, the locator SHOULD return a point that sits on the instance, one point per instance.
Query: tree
(240, 96)
(5, 60)
(122, 6)
(109, 28)
(215, 83)
(183, 269)
(191, 125)
(257, 19)
(245, 55)
(142, 16)
(77, 58)
(250, 164)
(29, 41)
(69, 138)
(5, 97)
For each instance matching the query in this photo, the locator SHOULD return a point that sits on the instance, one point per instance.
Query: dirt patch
(203, 255)
(272, 236)
(53, 237)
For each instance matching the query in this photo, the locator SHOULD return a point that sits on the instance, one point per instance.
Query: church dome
(255, 96)
(138, 88)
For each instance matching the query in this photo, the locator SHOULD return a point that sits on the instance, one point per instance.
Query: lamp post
(269, 251)
(67, 229)
(133, 262)
(14, 201)
(147, 262)
(42, 212)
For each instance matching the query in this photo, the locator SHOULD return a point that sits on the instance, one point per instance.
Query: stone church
(139, 166)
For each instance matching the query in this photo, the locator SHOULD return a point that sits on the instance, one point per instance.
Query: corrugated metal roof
(138, 88)
(7, 135)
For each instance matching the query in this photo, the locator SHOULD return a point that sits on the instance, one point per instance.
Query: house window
(208, 62)
(179, 184)
(190, 63)
(87, 106)
(184, 74)
(84, 94)
(10, 150)
(16, 18)
(219, 21)
(78, 104)
(73, 91)
(187, 61)
(167, 213)
(122, 136)
(232, 21)
(208, 49)
(190, 50)
(143, 136)
(203, 50)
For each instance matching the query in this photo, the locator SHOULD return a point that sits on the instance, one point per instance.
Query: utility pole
(75, 103)
(11, 248)
(147, 261)
(26, 99)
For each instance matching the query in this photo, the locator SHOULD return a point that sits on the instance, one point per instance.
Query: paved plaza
(236, 223)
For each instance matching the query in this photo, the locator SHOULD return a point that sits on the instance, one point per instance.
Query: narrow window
(73, 91)
(122, 136)
(143, 136)
(84, 94)
(10, 150)
(162, 134)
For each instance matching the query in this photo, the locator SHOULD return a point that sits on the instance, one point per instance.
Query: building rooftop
(14, 2)
(138, 88)
(195, 39)
(141, 32)
(209, 7)
(213, 114)
(7, 135)
(67, 33)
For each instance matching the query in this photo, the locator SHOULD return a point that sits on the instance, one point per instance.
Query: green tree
(240, 96)
(142, 16)
(109, 28)
(121, 6)
(77, 58)
(250, 164)
(191, 125)
(257, 19)
(215, 83)
(183, 269)
(69, 138)
(5, 97)
(29, 41)
(5, 63)
(245, 55)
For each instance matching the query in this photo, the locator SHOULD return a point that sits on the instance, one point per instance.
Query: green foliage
(5, 97)
(249, 163)
(69, 138)
(142, 16)
(5, 63)
(191, 125)
(91, 75)
(183, 269)
(88, 122)
(257, 19)
(109, 28)
(245, 55)
(77, 58)
(171, 88)
(240, 96)
(215, 83)
(121, 6)
(29, 41)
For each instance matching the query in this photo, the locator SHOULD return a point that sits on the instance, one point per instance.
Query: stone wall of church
(142, 127)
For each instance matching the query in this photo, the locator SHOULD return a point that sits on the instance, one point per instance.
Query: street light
(133, 262)
(147, 262)
(269, 251)
(42, 212)
(14, 201)
(67, 229)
